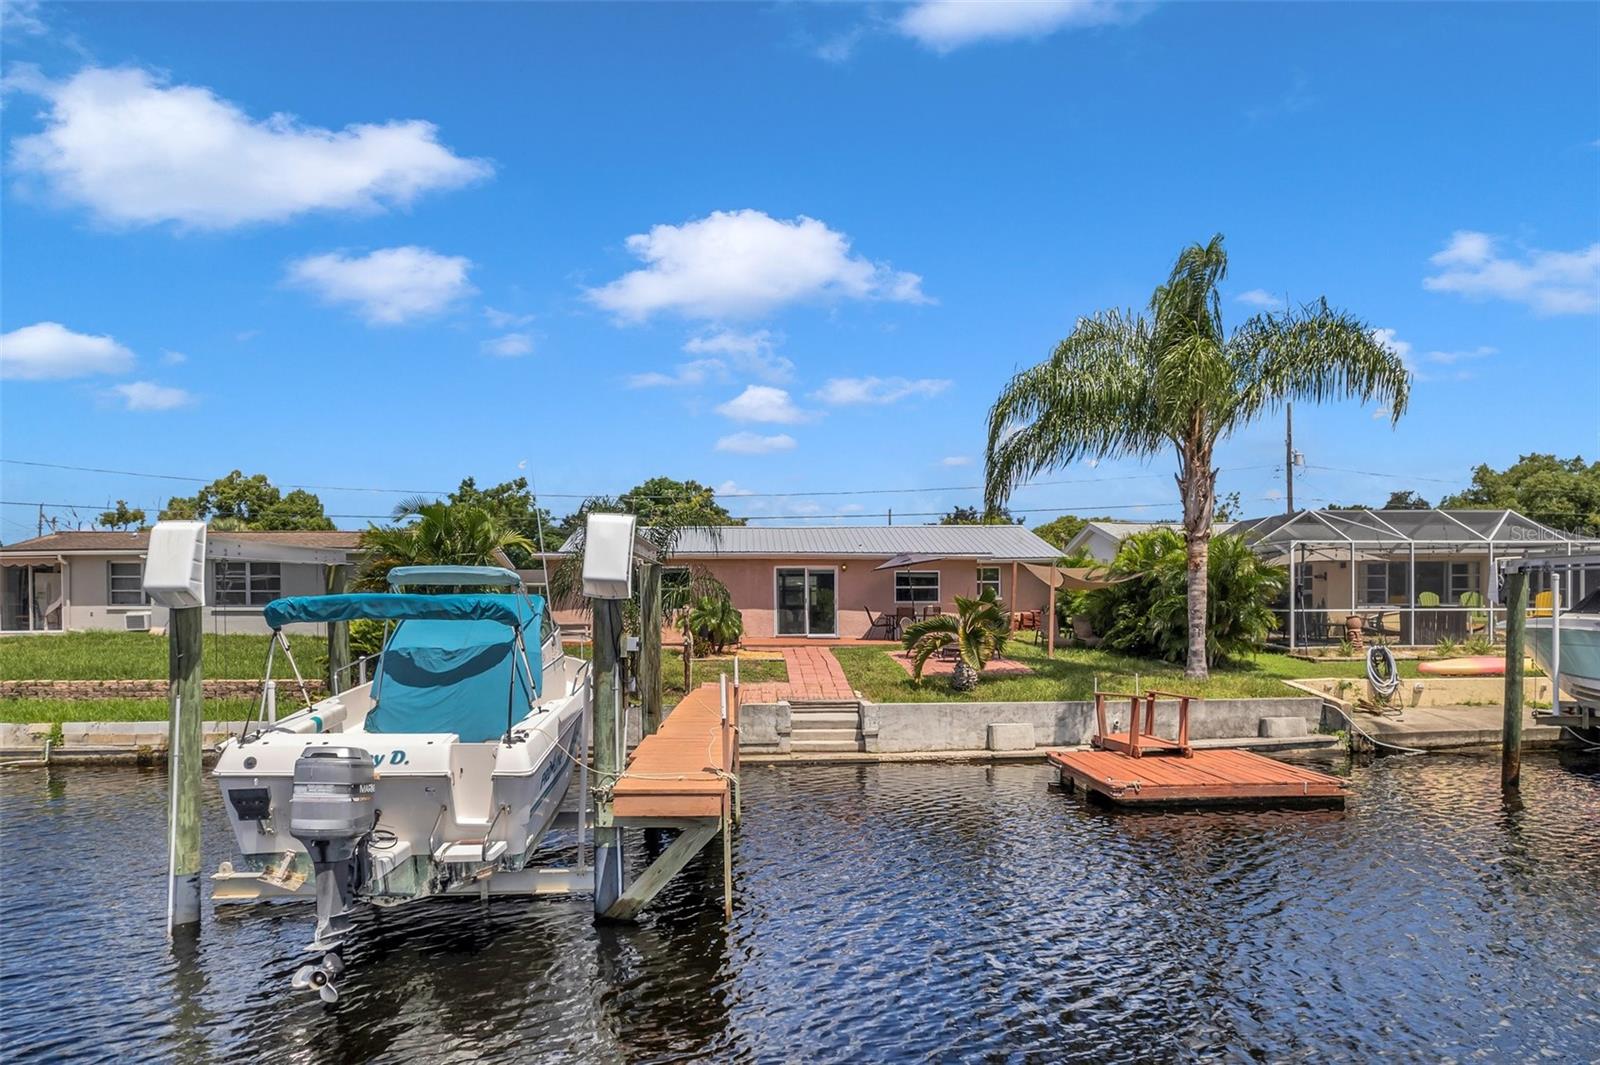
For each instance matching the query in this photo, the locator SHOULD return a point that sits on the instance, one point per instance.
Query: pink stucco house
(836, 581)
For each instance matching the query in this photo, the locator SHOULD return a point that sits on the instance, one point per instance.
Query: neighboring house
(1417, 575)
(71, 581)
(829, 581)
(1101, 539)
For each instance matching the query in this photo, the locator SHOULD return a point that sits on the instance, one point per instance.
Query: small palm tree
(443, 534)
(978, 629)
(714, 621)
(1132, 386)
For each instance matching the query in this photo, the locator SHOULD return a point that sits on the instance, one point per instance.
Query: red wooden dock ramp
(1206, 778)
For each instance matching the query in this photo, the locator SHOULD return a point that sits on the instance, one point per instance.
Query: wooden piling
(608, 760)
(688, 662)
(185, 697)
(1516, 597)
(338, 637)
(649, 671)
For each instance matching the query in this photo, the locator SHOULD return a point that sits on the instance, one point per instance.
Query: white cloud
(1390, 339)
(844, 391)
(1550, 282)
(509, 346)
(149, 396)
(956, 460)
(1260, 297)
(763, 403)
(506, 319)
(137, 150)
(1450, 358)
(173, 358)
(755, 443)
(694, 372)
(21, 16)
(729, 488)
(388, 286)
(945, 25)
(742, 263)
(50, 351)
(752, 353)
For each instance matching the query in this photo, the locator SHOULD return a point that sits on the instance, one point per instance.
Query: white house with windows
(72, 581)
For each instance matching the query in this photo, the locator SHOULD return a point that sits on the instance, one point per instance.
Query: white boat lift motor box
(608, 556)
(175, 566)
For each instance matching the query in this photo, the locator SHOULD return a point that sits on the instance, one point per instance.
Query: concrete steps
(825, 727)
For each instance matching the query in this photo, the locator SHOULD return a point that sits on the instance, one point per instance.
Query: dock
(681, 778)
(1221, 777)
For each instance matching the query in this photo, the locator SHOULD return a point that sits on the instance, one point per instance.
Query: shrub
(714, 623)
(1148, 615)
(977, 629)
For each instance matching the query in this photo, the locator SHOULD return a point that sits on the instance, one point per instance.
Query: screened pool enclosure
(1410, 576)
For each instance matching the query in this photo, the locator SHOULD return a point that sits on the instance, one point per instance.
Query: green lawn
(1072, 673)
(142, 656)
(39, 711)
(706, 670)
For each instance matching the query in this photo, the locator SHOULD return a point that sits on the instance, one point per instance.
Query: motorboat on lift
(440, 777)
(1578, 663)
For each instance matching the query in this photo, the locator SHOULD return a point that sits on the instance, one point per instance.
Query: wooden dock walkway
(679, 771)
(1207, 778)
(682, 777)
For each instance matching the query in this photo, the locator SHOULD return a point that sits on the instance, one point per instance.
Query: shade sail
(465, 677)
(452, 577)
(1077, 579)
(507, 610)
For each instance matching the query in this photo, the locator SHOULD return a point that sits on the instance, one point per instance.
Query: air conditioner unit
(137, 622)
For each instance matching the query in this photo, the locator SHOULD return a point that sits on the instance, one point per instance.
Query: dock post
(688, 662)
(649, 671)
(338, 637)
(1516, 603)
(185, 692)
(608, 742)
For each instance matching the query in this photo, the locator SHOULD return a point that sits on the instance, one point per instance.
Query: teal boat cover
(452, 665)
(453, 577)
(388, 606)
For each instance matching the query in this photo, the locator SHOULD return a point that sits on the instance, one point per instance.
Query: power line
(592, 495)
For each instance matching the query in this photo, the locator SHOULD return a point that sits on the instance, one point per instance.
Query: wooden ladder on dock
(1141, 737)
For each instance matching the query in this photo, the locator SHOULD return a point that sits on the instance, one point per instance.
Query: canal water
(941, 912)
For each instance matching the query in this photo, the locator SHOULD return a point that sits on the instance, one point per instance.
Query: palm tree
(978, 630)
(443, 534)
(1125, 385)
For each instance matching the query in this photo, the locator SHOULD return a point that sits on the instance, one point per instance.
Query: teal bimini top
(452, 664)
(453, 577)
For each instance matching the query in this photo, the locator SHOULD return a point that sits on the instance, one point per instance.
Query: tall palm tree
(1125, 385)
(443, 534)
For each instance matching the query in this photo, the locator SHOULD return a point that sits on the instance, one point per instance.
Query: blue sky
(778, 247)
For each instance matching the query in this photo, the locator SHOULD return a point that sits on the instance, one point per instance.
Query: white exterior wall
(88, 583)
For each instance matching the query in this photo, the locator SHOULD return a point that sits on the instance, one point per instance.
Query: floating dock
(1206, 778)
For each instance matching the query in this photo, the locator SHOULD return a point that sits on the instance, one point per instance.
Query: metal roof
(100, 541)
(1007, 542)
(1365, 526)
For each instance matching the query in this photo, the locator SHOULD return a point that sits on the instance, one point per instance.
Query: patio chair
(882, 620)
(1083, 632)
(903, 615)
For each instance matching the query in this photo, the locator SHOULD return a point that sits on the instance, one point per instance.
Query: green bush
(714, 622)
(1149, 614)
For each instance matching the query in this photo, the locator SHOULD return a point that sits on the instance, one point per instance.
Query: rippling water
(907, 912)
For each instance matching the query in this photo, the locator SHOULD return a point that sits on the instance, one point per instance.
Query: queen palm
(1132, 386)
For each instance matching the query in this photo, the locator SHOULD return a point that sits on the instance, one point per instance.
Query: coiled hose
(1385, 681)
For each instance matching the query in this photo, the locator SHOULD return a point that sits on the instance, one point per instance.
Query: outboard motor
(331, 812)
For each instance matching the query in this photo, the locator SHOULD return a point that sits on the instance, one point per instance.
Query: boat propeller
(320, 977)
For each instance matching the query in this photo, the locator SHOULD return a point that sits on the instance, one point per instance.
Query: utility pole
(1288, 454)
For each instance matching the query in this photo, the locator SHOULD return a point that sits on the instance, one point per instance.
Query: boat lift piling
(1516, 613)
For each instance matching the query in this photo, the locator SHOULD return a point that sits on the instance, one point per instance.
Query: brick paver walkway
(813, 674)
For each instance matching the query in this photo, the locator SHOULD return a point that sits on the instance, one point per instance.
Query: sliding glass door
(807, 602)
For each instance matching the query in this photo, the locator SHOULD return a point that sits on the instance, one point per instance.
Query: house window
(916, 586)
(248, 583)
(989, 580)
(127, 584)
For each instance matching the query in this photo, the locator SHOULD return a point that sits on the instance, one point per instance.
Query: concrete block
(1281, 727)
(1013, 736)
